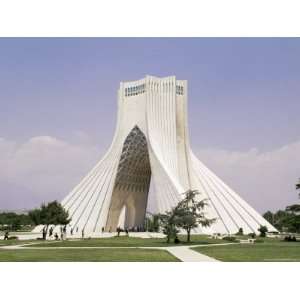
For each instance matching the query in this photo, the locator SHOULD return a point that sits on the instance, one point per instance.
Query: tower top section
(137, 87)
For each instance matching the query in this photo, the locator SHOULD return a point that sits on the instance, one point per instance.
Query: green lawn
(124, 241)
(12, 233)
(274, 250)
(14, 242)
(86, 255)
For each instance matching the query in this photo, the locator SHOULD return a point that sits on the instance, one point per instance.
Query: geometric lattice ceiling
(134, 172)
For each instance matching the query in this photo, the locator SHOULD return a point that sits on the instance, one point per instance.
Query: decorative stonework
(134, 170)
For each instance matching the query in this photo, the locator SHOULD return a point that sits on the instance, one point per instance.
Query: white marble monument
(151, 143)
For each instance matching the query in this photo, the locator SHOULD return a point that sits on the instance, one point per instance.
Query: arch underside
(132, 183)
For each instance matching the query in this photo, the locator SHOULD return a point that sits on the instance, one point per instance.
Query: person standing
(50, 231)
(61, 233)
(44, 233)
(6, 235)
(65, 232)
(82, 233)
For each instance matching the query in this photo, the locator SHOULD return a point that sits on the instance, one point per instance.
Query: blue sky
(244, 102)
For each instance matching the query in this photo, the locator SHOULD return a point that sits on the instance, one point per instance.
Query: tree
(285, 220)
(16, 224)
(280, 218)
(35, 216)
(51, 213)
(152, 222)
(298, 186)
(13, 221)
(269, 216)
(263, 230)
(189, 213)
(295, 208)
(155, 223)
(168, 224)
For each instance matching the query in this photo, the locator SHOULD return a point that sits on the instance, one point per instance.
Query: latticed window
(135, 90)
(179, 90)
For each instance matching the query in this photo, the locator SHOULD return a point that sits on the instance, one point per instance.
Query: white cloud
(265, 179)
(45, 168)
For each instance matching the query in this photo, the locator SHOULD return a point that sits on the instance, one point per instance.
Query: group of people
(139, 228)
(63, 232)
(119, 230)
(127, 230)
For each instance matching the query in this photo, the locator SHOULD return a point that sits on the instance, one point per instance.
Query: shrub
(229, 238)
(263, 231)
(240, 232)
(290, 238)
(252, 235)
(13, 238)
(176, 240)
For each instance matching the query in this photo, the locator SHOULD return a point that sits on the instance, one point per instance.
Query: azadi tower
(151, 143)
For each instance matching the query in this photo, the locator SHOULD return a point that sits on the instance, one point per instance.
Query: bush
(252, 235)
(229, 238)
(263, 230)
(240, 232)
(176, 240)
(13, 238)
(290, 238)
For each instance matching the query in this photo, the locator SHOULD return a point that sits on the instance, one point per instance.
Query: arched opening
(132, 183)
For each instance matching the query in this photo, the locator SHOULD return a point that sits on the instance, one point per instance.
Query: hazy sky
(58, 110)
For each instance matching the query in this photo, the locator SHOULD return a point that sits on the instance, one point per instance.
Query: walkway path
(186, 254)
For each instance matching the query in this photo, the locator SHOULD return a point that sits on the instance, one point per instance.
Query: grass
(270, 250)
(12, 233)
(14, 242)
(124, 241)
(86, 255)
